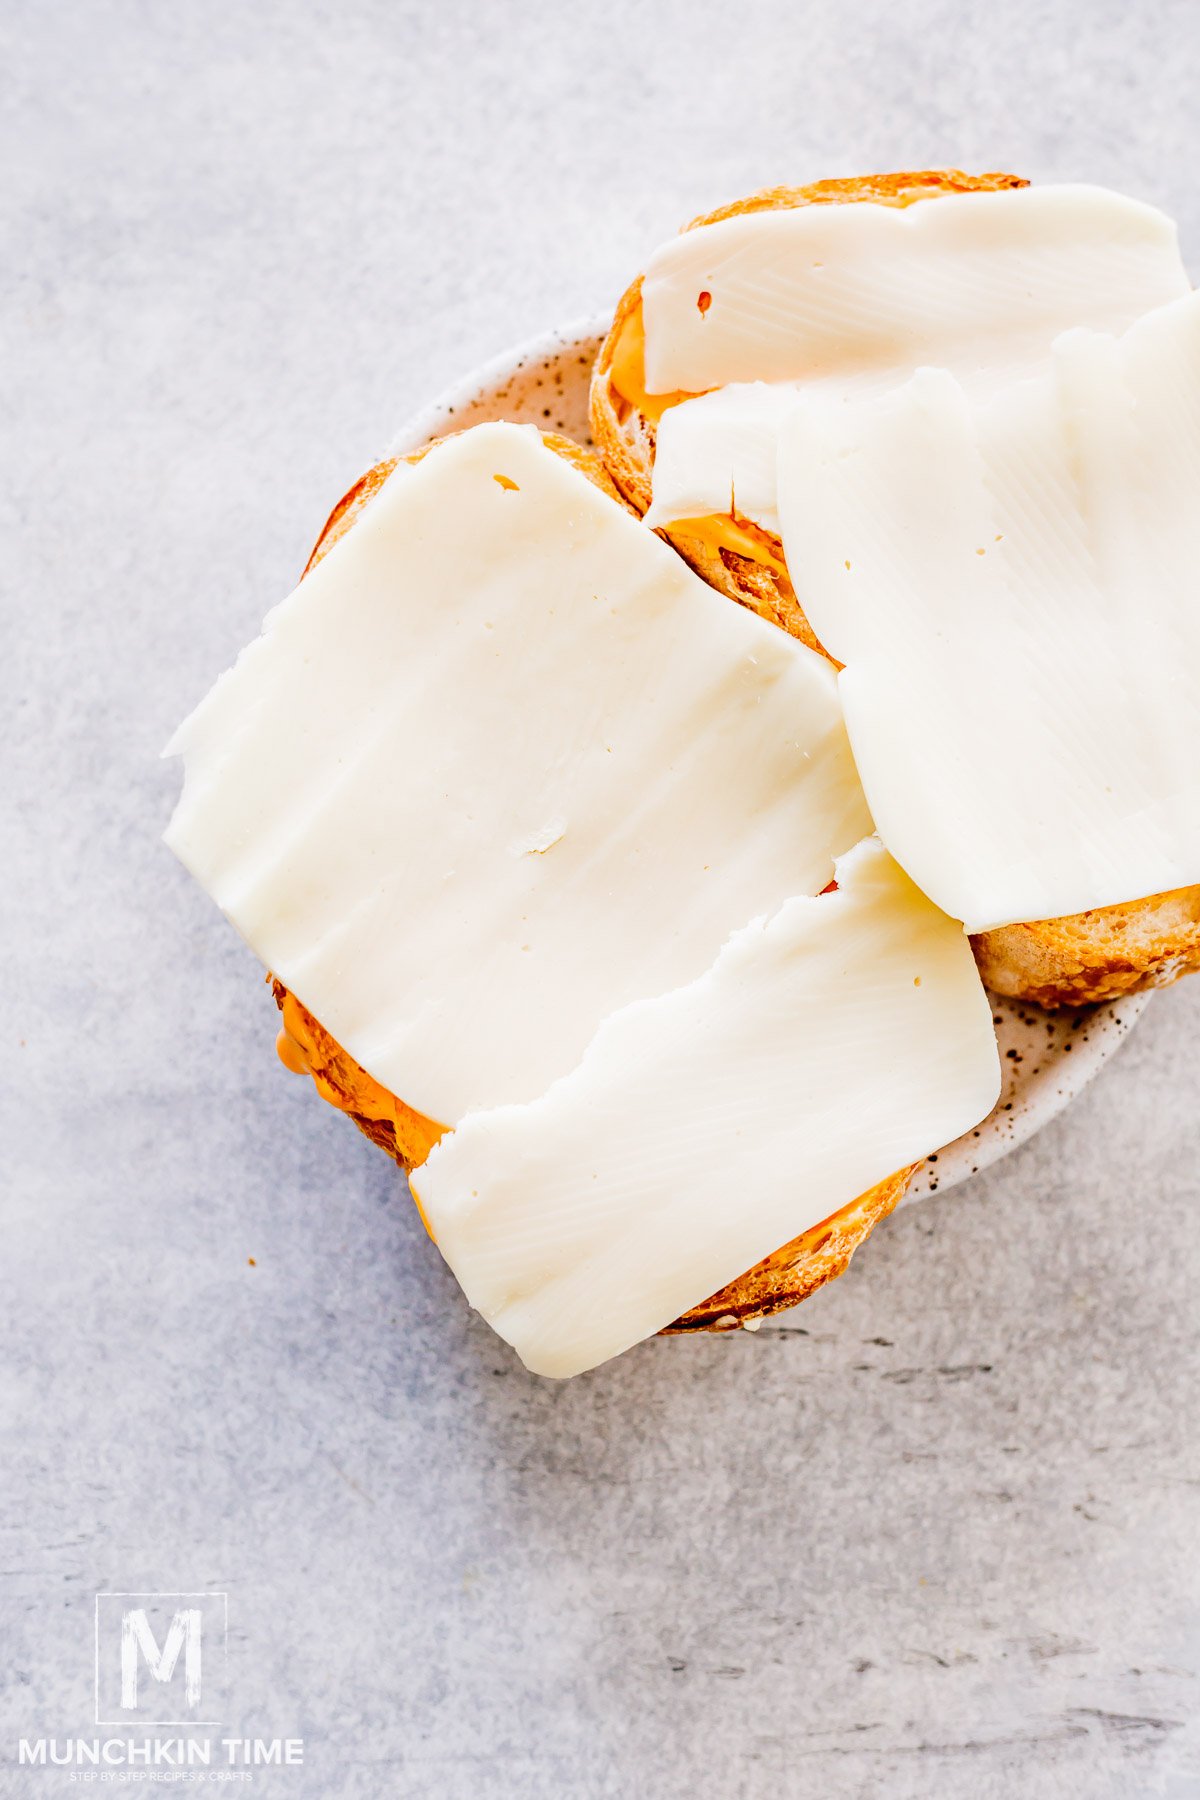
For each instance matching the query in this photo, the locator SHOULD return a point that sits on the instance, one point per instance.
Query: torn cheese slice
(861, 295)
(500, 764)
(827, 1047)
(1014, 587)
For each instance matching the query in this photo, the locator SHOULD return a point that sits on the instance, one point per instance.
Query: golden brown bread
(407, 1136)
(801, 1267)
(624, 418)
(1091, 956)
(1097, 955)
(783, 1279)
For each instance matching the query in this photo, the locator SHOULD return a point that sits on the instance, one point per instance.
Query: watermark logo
(160, 1687)
(160, 1658)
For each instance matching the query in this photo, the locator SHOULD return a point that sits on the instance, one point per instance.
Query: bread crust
(782, 1279)
(790, 1275)
(1075, 961)
(1094, 956)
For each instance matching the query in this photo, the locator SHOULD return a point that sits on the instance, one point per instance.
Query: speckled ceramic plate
(1048, 1057)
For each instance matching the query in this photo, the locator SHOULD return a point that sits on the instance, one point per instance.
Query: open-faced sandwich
(536, 836)
(1009, 607)
(636, 927)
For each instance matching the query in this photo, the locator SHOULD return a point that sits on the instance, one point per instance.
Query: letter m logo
(138, 1641)
(160, 1658)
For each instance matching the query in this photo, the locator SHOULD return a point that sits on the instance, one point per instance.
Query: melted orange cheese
(627, 369)
(626, 373)
(741, 537)
(305, 1047)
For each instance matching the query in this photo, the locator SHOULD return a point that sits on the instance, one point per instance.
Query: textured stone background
(940, 1539)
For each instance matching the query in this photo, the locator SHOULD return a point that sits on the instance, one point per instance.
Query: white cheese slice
(820, 290)
(1015, 589)
(861, 295)
(500, 764)
(717, 454)
(826, 1048)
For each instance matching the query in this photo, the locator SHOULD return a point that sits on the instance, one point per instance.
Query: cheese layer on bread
(716, 455)
(501, 764)
(828, 1045)
(805, 291)
(862, 295)
(1014, 587)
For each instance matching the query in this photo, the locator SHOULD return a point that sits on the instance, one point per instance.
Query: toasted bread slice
(783, 1279)
(731, 552)
(1097, 955)
(1088, 957)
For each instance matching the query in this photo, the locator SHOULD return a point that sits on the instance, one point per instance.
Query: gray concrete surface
(942, 1540)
